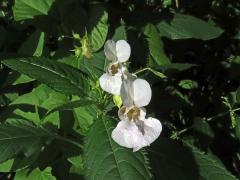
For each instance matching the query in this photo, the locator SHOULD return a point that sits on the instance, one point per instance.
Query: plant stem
(142, 70)
(208, 119)
(221, 114)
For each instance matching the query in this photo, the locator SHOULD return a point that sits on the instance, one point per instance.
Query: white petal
(126, 93)
(110, 50)
(153, 129)
(123, 50)
(142, 92)
(111, 84)
(126, 134)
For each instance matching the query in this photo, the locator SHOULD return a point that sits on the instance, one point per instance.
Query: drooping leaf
(19, 136)
(100, 31)
(27, 9)
(35, 174)
(120, 33)
(6, 166)
(58, 76)
(210, 167)
(171, 160)
(42, 98)
(34, 45)
(186, 26)
(104, 159)
(155, 45)
(77, 165)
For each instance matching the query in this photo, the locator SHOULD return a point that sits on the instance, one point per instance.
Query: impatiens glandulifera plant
(134, 130)
(74, 105)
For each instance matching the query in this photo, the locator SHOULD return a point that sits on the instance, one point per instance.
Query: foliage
(56, 121)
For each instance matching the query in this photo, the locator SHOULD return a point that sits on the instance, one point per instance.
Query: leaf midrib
(52, 71)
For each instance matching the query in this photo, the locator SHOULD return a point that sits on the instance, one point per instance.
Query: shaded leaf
(104, 159)
(186, 26)
(35, 174)
(27, 9)
(19, 136)
(99, 32)
(58, 76)
(155, 45)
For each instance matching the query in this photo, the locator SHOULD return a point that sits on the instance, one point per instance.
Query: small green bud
(117, 100)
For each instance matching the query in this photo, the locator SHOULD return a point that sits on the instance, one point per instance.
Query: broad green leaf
(186, 26)
(19, 136)
(155, 45)
(34, 45)
(104, 159)
(99, 32)
(22, 79)
(41, 99)
(77, 165)
(58, 76)
(84, 118)
(120, 33)
(6, 166)
(36, 174)
(210, 167)
(200, 125)
(171, 160)
(27, 9)
(188, 84)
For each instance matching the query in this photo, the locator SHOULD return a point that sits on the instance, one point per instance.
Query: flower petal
(123, 51)
(126, 93)
(142, 92)
(153, 129)
(110, 50)
(111, 84)
(126, 134)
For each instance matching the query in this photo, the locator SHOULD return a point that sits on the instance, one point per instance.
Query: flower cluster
(134, 130)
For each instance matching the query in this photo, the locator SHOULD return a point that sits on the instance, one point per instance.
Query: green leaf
(35, 174)
(77, 165)
(171, 160)
(84, 118)
(155, 45)
(186, 26)
(200, 125)
(19, 136)
(34, 45)
(237, 128)
(210, 167)
(27, 9)
(104, 159)
(188, 84)
(99, 32)
(120, 33)
(41, 99)
(58, 76)
(6, 166)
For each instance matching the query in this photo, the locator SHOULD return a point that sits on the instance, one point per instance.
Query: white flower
(134, 130)
(118, 53)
